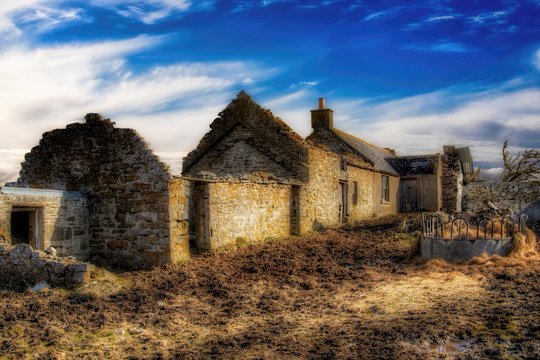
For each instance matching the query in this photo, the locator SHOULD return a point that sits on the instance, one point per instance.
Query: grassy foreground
(344, 294)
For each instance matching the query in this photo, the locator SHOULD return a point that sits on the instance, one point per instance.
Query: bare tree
(523, 166)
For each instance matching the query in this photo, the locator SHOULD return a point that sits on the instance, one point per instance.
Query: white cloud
(492, 18)
(464, 115)
(47, 88)
(536, 59)
(152, 11)
(481, 119)
(42, 15)
(375, 15)
(441, 46)
(440, 18)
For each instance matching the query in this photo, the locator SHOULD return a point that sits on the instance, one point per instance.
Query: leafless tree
(523, 166)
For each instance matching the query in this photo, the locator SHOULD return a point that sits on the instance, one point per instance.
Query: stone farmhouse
(94, 191)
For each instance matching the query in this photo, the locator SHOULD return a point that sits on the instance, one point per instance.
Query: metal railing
(433, 226)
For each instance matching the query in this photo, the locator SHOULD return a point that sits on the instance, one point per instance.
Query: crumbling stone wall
(243, 155)
(62, 219)
(247, 140)
(514, 195)
(22, 267)
(247, 211)
(126, 184)
(452, 180)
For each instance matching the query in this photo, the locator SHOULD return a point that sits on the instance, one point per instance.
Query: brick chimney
(322, 117)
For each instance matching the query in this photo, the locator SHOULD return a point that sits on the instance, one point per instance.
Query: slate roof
(376, 155)
(415, 165)
(243, 110)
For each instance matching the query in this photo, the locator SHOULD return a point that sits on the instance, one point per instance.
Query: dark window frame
(355, 193)
(385, 187)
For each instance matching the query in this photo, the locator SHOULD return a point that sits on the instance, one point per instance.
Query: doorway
(26, 226)
(342, 201)
(409, 200)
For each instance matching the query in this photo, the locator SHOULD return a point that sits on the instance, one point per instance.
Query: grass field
(345, 294)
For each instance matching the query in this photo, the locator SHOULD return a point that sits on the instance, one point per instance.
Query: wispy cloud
(441, 18)
(439, 47)
(375, 15)
(42, 14)
(493, 17)
(481, 119)
(469, 114)
(536, 59)
(152, 11)
(49, 87)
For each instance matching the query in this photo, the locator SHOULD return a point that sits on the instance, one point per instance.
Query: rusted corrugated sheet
(532, 211)
(465, 158)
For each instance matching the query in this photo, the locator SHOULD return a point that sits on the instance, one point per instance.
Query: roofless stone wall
(513, 196)
(126, 184)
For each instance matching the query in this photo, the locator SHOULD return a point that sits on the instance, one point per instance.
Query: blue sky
(408, 75)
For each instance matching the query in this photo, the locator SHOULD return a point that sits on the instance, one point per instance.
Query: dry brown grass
(338, 294)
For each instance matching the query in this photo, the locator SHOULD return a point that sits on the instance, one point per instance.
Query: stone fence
(22, 267)
(513, 196)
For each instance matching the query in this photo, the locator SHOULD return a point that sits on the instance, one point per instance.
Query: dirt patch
(336, 294)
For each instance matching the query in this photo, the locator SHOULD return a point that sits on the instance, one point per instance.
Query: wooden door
(409, 201)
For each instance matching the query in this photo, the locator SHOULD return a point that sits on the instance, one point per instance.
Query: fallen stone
(51, 251)
(42, 285)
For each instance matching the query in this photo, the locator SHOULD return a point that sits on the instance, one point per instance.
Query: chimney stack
(322, 117)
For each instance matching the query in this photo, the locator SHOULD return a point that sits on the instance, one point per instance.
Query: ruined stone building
(98, 192)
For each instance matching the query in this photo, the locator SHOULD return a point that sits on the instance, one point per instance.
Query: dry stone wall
(244, 139)
(363, 209)
(319, 202)
(242, 154)
(514, 195)
(451, 180)
(62, 219)
(180, 218)
(243, 211)
(126, 184)
(22, 267)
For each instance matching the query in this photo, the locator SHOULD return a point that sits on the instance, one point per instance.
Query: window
(343, 164)
(385, 188)
(355, 193)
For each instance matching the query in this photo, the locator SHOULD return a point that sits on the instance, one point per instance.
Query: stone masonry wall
(364, 207)
(246, 210)
(22, 267)
(514, 195)
(451, 180)
(181, 217)
(62, 220)
(241, 155)
(126, 184)
(319, 203)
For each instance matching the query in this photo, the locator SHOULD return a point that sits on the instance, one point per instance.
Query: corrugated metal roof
(465, 158)
(532, 211)
(374, 153)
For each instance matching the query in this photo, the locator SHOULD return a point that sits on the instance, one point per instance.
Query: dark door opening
(25, 226)
(409, 201)
(295, 210)
(20, 228)
(343, 201)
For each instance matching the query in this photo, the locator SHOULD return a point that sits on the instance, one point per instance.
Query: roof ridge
(365, 142)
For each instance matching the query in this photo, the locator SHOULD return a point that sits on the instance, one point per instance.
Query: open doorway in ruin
(27, 226)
